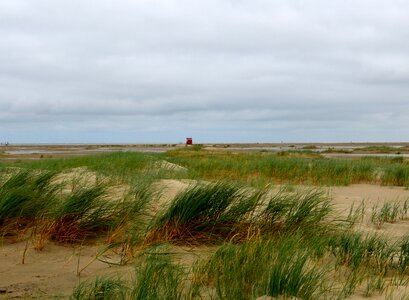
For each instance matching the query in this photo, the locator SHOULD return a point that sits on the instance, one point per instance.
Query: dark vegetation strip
(255, 168)
(292, 167)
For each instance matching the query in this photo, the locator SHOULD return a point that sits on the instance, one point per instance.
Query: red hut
(189, 141)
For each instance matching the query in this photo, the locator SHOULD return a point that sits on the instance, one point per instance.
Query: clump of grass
(24, 198)
(291, 211)
(206, 212)
(83, 213)
(101, 288)
(403, 253)
(355, 249)
(375, 283)
(389, 212)
(396, 174)
(356, 215)
(33, 200)
(263, 267)
(159, 278)
(129, 226)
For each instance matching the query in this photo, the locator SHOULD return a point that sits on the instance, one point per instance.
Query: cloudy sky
(143, 71)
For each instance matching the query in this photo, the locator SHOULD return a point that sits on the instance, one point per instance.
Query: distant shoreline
(329, 150)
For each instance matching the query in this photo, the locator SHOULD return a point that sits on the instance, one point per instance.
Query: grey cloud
(242, 68)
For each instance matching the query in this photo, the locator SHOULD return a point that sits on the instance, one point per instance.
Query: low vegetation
(278, 243)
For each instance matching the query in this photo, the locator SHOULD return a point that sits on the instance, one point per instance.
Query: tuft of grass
(101, 289)
(32, 201)
(24, 198)
(262, 268)
(291, 211)
(355, 249)
(131, 220)
(206, 212)
(389, 212)
(159, 278)
(396, 174)
(356, 215)
(83, 213)
(403, 253)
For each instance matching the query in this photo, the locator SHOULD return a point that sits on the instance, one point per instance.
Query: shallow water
(365, 155)
(81, 150)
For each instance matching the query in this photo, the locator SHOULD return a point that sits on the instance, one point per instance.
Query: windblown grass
(30, 201)
(306, 210)
(262, 268)
(122, 166)
(396, 174)
(83, 213)
(255, 168)
(159, 278)
(206, 212)
(24, 198)
(285, 244)
(290, 168)
(355, 249)
(298, 249)
(389, 212)
(223, 212)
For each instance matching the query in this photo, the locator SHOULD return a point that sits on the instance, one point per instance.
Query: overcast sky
(143, 71)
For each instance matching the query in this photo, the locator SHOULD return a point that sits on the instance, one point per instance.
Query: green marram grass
(262, 268)
(285, 244)
(309, 210)
(206, 212)
(254, 168)
(32, 201)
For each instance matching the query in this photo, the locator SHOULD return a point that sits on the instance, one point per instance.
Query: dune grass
(32, 202)
(396, 174)
(101, 288)
(257, 169)
(301, 250)
(389, 212)
(25, 197)
(262, 268)
(291, 167)
(206, 212)
(283, 266)
(288, 243)
(289, 211)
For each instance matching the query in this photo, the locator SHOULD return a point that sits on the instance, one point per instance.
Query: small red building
(189, 141)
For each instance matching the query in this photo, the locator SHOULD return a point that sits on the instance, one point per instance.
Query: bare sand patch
(370, 196)
(52, 271)
(345, 196)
